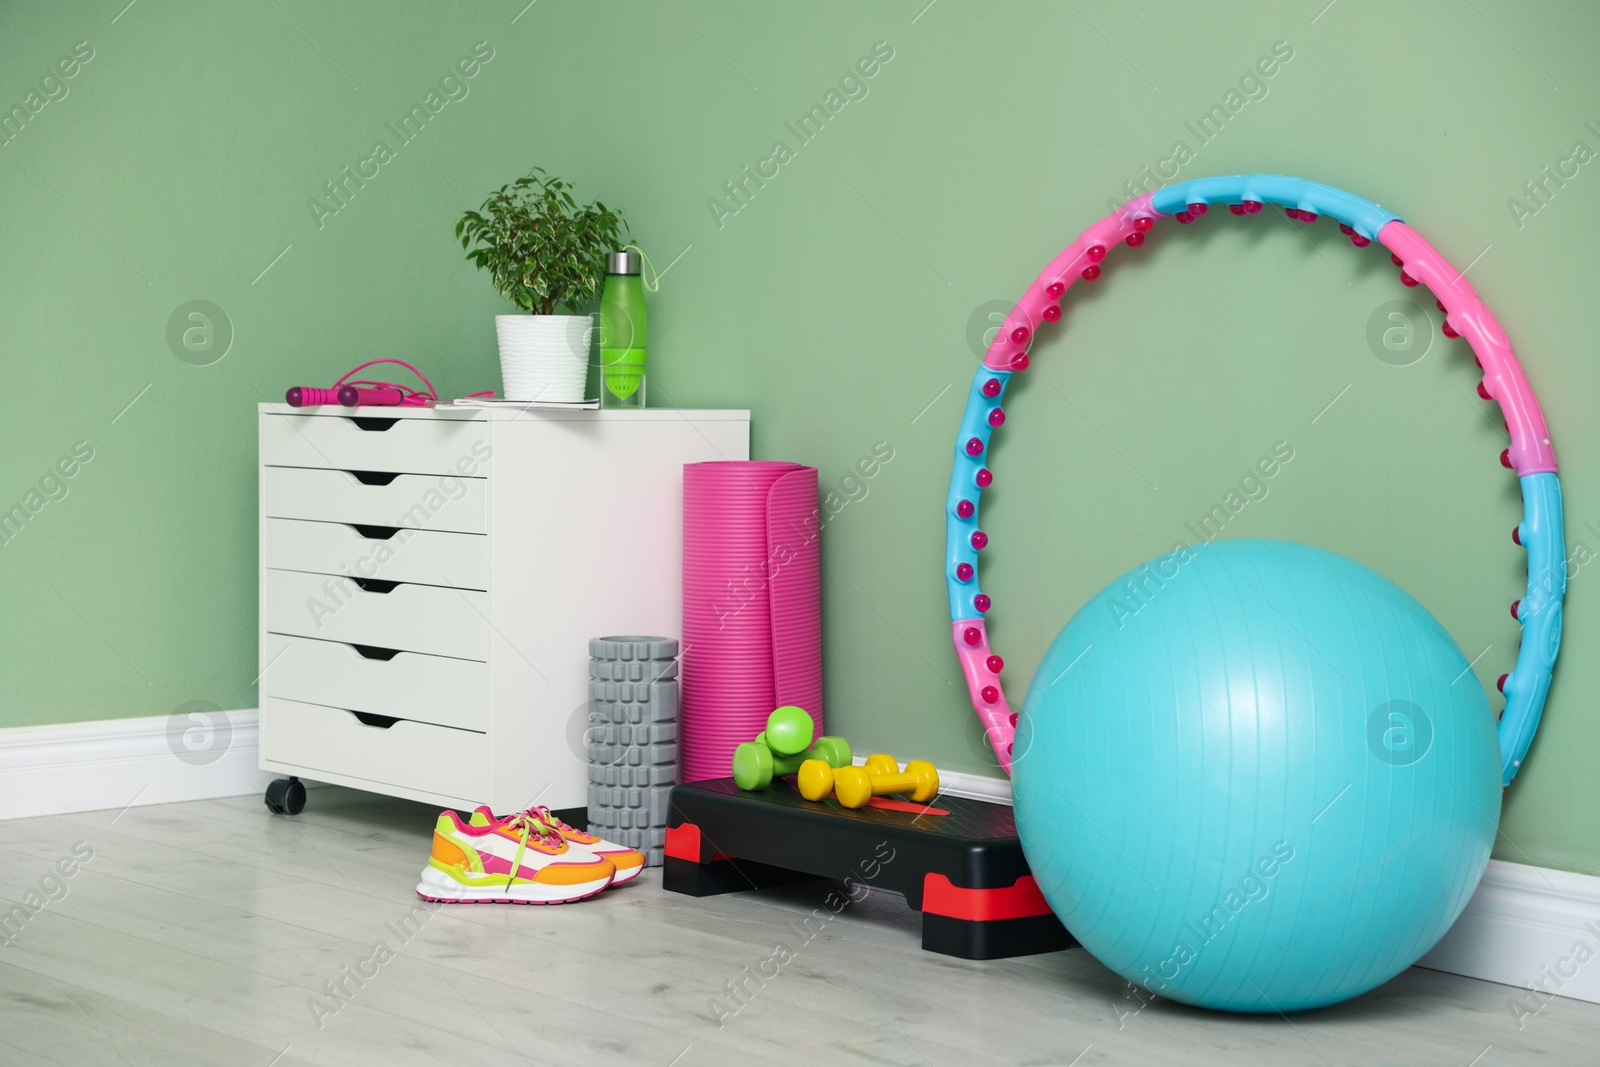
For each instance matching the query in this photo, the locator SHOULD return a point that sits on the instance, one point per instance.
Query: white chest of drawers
(430, 579)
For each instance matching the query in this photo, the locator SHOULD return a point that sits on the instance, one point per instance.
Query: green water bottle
(622, 333)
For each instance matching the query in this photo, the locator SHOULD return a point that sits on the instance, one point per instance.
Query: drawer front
(396, 553)
(420, 501)
(409, 446)
(412, 618)
(412, 755)
(408, 685)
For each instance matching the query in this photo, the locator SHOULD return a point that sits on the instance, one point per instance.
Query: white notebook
(480, 402)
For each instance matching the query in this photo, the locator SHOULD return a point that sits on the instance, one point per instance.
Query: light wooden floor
(201, 933)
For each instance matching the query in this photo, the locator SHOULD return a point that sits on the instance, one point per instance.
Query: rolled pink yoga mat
(752, 606)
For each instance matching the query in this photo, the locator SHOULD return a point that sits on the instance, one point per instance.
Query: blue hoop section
(975, 425)
(1361, 215)
(1540, 533)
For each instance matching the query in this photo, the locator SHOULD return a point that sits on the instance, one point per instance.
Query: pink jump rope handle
(305, 396)
(379, 396)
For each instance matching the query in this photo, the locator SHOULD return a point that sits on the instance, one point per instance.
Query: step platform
(957, 861)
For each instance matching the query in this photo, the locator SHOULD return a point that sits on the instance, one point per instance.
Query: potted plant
(543, 252)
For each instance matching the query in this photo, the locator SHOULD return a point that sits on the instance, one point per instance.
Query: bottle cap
(622, 263)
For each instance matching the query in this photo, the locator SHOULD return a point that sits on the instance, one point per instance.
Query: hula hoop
(1530, 455)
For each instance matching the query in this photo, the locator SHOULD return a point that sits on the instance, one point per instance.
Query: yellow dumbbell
(881, 763)
(816, 782)
(880, 776)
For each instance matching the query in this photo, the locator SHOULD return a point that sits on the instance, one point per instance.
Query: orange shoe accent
(575, 873)
(449, 853)
(628, 862)
(625, 861)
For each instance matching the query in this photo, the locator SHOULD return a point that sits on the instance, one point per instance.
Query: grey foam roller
(633, 740)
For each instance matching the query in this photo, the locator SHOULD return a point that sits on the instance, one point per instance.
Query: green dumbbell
(755, 765)
(782, 747)
(789, 730)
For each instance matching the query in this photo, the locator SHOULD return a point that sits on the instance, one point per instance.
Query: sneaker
(629, 862)
(520, 860)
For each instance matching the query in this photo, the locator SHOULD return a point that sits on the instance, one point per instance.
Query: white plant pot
(543, 357)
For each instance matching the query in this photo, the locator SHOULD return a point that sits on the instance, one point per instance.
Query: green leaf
(542, 249)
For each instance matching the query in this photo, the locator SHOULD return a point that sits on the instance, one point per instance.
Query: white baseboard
(975, 787)
(1528, 926)
(119, 763)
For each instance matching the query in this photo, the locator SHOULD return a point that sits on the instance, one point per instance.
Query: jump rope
(350, 391)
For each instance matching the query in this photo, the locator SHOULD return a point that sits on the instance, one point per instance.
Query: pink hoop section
(1465, 313)
(999, 721)
(1009, 350)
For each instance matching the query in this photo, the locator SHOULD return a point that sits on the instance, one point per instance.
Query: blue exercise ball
(1256, 776)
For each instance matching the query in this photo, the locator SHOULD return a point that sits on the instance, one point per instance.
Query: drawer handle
(374, 652)
(373, 533)
(374, 585)
(372, 425)
(374, 477)
(378, 722)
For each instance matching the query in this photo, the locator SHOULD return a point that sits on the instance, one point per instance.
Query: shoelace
(548, 818)
(528, 823)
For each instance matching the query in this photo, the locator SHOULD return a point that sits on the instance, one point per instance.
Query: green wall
(836, 302)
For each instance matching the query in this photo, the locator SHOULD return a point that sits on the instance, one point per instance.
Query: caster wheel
(286, 796)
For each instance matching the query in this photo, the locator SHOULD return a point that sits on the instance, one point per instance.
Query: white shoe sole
(438, 886)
